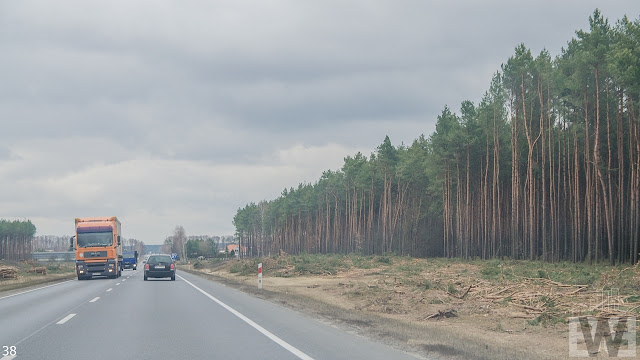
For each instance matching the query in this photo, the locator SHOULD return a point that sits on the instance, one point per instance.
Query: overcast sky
(168, 113)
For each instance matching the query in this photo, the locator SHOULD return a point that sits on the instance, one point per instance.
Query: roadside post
(260, 276)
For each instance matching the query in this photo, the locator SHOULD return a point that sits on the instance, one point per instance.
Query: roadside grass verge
(26, 278)
(452, 276)
(598, 275)
(529, 297)
(429, 341)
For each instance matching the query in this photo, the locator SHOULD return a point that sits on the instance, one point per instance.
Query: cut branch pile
(442, 314)
(538, 296)
(39, 270)
(8, 272)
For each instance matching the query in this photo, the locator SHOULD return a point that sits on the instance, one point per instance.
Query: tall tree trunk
(596, 165)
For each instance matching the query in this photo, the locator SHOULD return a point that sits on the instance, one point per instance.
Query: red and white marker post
(260, 276)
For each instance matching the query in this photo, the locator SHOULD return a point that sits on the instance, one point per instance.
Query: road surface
(190, 318)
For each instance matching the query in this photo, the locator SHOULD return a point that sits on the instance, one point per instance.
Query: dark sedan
(160, 266)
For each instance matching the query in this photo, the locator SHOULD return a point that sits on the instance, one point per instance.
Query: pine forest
(545, 167)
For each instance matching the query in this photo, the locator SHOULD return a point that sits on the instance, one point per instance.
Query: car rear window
(159, 259)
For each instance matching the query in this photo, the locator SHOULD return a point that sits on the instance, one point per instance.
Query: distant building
(234, 247)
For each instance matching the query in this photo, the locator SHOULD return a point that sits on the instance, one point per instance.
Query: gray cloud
(167, 113)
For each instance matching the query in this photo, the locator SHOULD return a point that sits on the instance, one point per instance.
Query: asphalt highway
(189, 318)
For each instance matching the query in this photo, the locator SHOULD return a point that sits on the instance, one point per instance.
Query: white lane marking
(95, 299)
(66, 318)
(109, 289)
(264, 331)
(45, 326)
(123, 280)
(28, 291)
(8, 357)
(118, 284)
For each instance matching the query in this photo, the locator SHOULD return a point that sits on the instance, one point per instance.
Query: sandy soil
(383, 306)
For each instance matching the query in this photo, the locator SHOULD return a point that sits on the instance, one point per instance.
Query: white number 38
(8, 350)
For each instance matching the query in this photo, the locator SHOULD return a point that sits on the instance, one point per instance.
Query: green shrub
(490, 272)
(632, 299)
(427, 285)
(452, 289)
(235, 268)
(361, 262)
(53, 267)
(244, 268)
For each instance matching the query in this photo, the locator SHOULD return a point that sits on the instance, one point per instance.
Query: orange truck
(98, 247)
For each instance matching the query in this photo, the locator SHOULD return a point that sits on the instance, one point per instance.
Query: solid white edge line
(94, 299)
(65, 319)
(28, 291)
(292, 349)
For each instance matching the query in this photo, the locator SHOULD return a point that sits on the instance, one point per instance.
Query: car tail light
(146, 266)
(173, 266)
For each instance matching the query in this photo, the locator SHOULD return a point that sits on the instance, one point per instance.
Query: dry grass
(26, 276)
(501, 303)
(428, 341)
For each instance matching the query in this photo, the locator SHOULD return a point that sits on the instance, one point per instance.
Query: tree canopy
(546, 166)
(16, 239)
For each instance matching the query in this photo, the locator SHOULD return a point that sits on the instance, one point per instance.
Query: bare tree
(179, 239)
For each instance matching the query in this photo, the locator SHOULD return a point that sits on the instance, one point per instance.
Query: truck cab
(130, 260)
(97, 247)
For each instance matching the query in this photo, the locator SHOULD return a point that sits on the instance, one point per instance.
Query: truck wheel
(145, 278)
(173, 278)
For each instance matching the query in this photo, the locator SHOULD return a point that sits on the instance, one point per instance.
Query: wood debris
(39, 270)
(541, 296)
(442, 314)
(8, 272)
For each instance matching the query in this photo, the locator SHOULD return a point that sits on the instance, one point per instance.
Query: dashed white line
(123, 280)
(118, 284)
(109, 289)
(95, 299)
(66, 318)
(264, 331)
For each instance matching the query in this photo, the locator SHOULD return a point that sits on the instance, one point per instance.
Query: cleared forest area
(452, 306)
(22, 274)
(546, 167)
